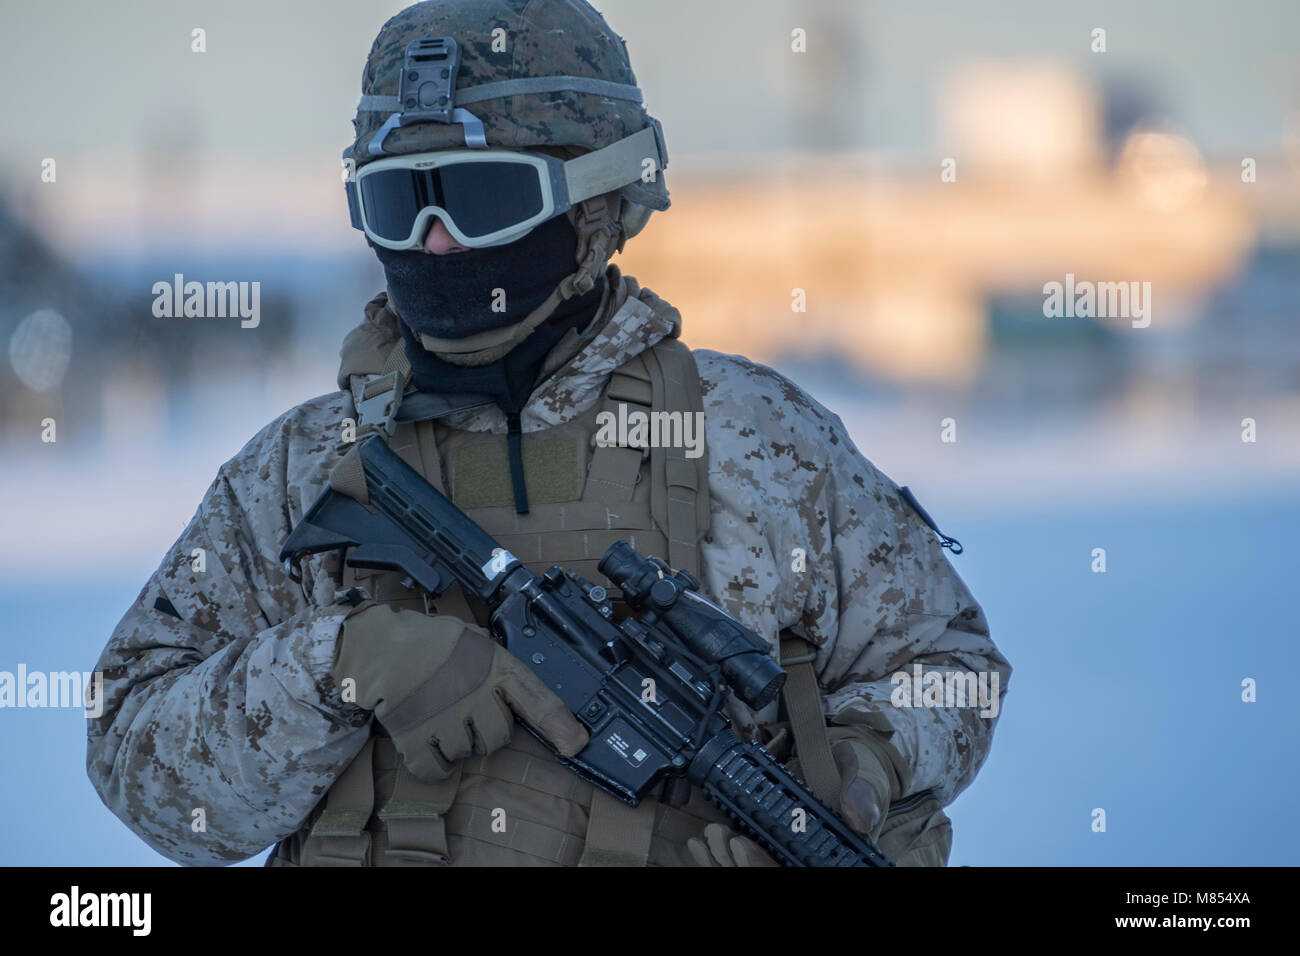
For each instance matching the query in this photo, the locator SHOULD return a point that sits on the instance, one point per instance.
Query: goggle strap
(613, 167)
(354, 203)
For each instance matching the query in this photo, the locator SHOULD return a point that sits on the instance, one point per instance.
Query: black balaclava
(450, 296)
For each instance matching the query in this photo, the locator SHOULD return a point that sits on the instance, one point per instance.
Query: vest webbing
(618, 835)
(662, 379)
(339, 837)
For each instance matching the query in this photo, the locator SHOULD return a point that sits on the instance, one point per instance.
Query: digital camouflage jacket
(219, 702)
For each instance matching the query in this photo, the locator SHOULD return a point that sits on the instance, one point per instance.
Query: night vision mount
(426, 93)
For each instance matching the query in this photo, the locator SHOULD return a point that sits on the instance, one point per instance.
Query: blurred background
(918, 172)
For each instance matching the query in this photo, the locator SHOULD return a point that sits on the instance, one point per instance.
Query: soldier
(502, 155)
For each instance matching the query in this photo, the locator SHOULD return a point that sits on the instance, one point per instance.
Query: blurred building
(87, 350)
(898, 274)
(926, 277)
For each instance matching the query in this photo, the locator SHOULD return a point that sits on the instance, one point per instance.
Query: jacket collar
(631, 320)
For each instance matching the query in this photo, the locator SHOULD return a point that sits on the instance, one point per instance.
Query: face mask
(453, 296)
(507, 380)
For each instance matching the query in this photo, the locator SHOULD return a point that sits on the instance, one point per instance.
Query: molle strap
(474, 827)
(679, 488)
(617, 834)
(415, 819)
(631, 383)
(613, 474)
(615, 469)
(339, 837)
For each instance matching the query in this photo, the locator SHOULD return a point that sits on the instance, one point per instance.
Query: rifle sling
(803, 704)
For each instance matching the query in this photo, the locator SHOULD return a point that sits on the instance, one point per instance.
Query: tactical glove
(443, 689)
(723, 846)
(869, 779)
(872, 773)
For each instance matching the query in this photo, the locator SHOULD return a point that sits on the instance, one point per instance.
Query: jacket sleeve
(892, 620)
(221, 726)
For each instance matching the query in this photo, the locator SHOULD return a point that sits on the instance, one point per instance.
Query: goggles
(487, 197)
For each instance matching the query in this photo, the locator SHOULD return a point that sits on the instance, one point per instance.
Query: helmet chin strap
(596, 222)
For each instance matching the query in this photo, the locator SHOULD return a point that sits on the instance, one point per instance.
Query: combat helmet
(519, 74)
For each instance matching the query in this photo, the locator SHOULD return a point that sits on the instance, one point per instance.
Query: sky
(283, 76)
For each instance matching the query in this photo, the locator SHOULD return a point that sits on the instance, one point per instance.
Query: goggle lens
(480, 198)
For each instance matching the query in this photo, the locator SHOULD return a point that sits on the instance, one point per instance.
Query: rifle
(650, 688)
